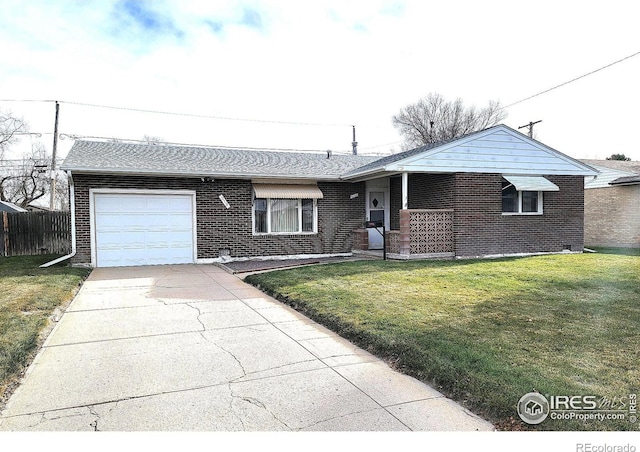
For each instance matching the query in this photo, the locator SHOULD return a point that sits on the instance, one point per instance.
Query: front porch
(418, 216)
(423, 234)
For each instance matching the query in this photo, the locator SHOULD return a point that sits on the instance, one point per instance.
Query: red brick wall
(220, 228)
(612, 216)
(426, 191)
(481, 229)
(395, 202)
(431, 191)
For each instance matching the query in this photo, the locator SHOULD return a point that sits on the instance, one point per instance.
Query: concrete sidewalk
(193, 348)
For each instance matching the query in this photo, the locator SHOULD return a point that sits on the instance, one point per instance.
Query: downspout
(72, 207)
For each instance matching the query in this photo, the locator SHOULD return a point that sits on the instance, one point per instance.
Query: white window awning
(531, 183)
(287, 191)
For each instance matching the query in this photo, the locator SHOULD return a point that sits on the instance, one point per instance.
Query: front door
(376, 213)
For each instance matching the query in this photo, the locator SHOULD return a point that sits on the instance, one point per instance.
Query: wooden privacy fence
(31, 233)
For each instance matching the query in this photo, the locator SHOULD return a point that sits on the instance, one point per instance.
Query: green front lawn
(28, 296)
(486, 332)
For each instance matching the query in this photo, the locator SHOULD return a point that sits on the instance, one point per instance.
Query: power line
(380, 145)
(571, 81)
(547, 90)
(193, 115)
(226, 118)
(64, 136)
(26, 100)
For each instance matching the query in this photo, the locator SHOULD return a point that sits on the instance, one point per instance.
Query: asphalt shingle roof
(117, 157)
(619, 165)
(626, 180)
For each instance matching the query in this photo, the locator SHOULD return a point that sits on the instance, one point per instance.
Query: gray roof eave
(626, 180)
(351, 176)
(159, 173)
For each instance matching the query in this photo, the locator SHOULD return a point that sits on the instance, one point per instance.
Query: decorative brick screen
(431, 231)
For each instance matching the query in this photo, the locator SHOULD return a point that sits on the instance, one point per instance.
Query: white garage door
(143, 229)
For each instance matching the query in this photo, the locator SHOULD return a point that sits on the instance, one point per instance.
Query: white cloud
(334, 62)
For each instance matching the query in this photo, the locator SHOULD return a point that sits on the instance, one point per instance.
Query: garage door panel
(167, 222)
(143, 229)
(109, 220)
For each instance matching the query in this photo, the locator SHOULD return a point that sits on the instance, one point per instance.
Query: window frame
(519, 196)
(299, 210)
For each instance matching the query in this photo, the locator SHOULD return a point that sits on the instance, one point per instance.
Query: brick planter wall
(360, 239)
(231, 229)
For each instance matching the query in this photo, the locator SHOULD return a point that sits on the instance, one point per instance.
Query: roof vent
(329, 154)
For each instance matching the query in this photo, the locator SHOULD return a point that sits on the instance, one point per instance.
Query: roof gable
(498, 149)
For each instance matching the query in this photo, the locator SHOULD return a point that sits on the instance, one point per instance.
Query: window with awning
(285, 209)
(524, 194)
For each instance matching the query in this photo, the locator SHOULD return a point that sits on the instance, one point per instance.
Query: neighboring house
(493, 192)
(6, 206)
(612, 204)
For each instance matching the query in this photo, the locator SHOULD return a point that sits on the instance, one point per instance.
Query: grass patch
(485, 332)
(28, 297)
(623, 251)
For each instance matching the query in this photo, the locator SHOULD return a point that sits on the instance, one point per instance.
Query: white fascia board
(550, 171)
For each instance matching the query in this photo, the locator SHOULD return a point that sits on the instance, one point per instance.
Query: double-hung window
(278, 210)
(523, 194)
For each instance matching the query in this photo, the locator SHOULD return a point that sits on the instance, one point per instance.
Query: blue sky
(327, 63)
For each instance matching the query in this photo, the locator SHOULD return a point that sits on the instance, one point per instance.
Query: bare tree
(27, 180)
(61, 197)
(10, 127)
(434, 119)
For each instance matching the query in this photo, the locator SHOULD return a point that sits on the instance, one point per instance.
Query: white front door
(377, 209)
(376, 213)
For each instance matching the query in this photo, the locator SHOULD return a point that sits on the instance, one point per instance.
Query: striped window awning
(531, 183)
(287, 191)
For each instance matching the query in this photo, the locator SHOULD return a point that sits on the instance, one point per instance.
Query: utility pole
(354, 143)
(53, 160)
(530, 126)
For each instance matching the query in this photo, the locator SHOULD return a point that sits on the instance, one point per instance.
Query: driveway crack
(244, 372)
(204, 328)
(255, 402)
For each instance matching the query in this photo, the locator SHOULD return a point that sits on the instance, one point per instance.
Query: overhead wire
(169, 143)
(192, 115)
(227, 118)
(195, 115)
(572, 80)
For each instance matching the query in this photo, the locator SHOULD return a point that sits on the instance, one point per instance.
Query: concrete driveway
(194, 348)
